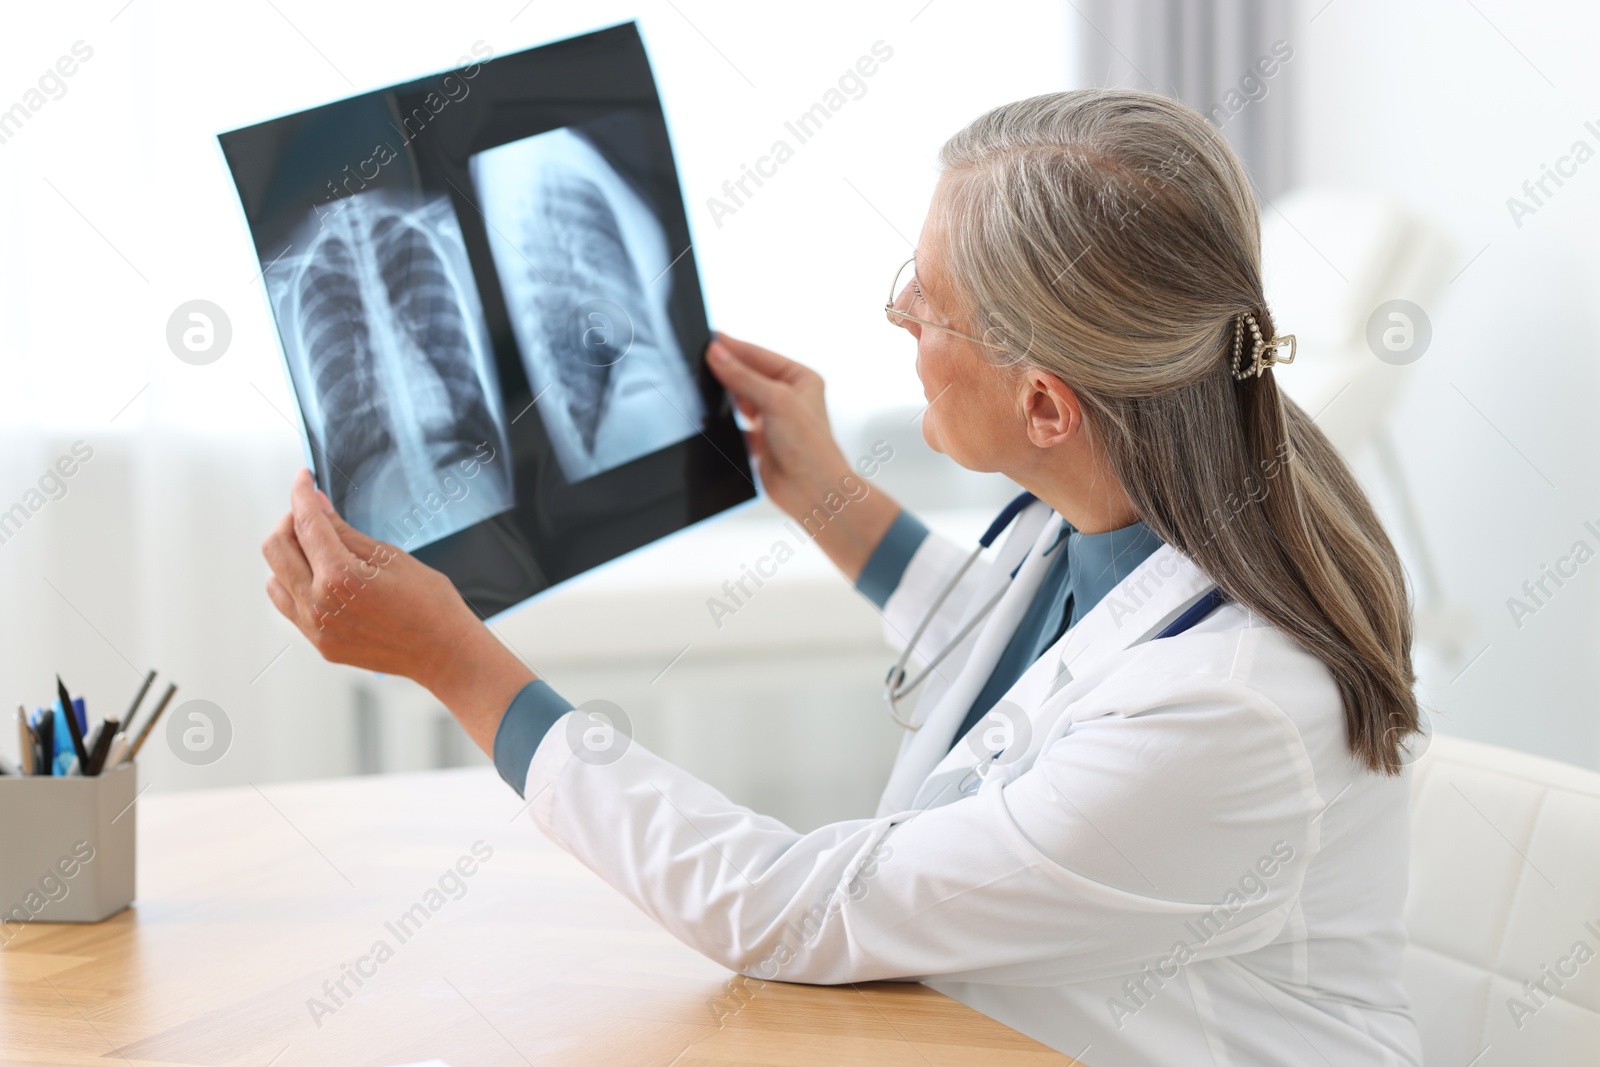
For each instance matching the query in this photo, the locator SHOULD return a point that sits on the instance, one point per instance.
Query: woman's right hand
(789, 432)
(800, 462)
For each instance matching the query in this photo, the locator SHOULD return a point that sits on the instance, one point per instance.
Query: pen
(144, 732)
(138, 697)
(44, 730)
(102, 747)
(71, 715)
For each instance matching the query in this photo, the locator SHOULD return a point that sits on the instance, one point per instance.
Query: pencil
(27, 741)
(144, 731)
(127, 720)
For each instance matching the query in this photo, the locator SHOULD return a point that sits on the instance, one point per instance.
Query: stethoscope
(896, 687)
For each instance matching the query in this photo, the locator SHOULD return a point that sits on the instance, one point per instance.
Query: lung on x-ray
(490, 314)
(388, 350)
(583, 266)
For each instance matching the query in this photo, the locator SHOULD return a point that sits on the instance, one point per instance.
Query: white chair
(1505, 889)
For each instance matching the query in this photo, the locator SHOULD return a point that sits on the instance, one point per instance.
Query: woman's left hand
(368, 604)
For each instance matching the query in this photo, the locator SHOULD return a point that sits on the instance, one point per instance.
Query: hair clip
(1263, 353)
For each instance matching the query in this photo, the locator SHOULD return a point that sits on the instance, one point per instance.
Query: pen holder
(66, 847)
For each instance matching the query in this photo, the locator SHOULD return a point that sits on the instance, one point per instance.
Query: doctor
(1150, 807)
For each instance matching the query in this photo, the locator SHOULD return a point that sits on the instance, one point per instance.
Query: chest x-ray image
(385, 340)
(491, 318)
(583, 266)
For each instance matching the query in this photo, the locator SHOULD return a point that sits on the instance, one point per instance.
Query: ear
(1050, 409)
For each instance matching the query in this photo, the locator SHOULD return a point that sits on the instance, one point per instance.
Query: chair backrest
(1504, 909)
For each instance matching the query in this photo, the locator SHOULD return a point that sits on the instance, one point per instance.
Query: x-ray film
(490, 313)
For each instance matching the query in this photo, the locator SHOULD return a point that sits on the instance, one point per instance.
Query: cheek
(939, 365)
(961, 420)
(935, 371)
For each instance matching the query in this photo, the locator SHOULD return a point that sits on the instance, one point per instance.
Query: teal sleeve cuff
(534, 709)
(888, 562)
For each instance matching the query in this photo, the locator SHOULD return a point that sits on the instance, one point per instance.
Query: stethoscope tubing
(896, 687)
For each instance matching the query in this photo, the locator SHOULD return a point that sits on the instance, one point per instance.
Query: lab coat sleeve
(1153, 834)
(526, 721)
(887, 565)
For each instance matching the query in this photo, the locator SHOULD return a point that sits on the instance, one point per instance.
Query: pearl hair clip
(1263, 353)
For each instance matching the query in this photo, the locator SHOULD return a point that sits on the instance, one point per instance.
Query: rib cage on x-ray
(581, 252)
(573, 244)
(385, 334)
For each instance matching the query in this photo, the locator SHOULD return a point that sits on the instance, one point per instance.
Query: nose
(902, 304)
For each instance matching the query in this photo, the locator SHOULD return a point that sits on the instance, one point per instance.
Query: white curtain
(151, 559)
(1212, 55)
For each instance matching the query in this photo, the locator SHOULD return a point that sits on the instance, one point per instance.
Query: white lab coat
(1184, 866)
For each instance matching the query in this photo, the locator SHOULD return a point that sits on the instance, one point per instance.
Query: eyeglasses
(905, 277)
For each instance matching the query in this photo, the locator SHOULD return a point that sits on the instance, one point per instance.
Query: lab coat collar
(1140, 606)
(924, 749)
(1160, 589)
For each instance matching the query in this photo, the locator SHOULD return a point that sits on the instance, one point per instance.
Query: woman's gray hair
(1111, 238)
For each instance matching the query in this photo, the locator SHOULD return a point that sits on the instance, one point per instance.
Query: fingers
(751, 389)
(312, 527)
(747, 407)
(289, 565)
(755, 441)
(764, 360)
(286, 605)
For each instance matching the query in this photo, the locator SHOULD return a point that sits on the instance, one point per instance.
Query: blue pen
(61, 753)
(64, 704)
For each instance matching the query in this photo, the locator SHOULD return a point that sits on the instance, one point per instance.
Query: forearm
(849, 535)
(489, 689)
(476, 677)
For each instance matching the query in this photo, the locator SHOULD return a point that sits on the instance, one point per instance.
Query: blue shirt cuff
(534, 709)
(888, 562)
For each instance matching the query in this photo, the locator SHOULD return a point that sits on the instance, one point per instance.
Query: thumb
(312, 526)
(357, 542)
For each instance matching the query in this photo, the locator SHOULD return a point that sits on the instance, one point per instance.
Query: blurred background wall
(1385, 142)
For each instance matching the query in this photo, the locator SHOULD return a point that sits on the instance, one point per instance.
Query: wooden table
(250, 900)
